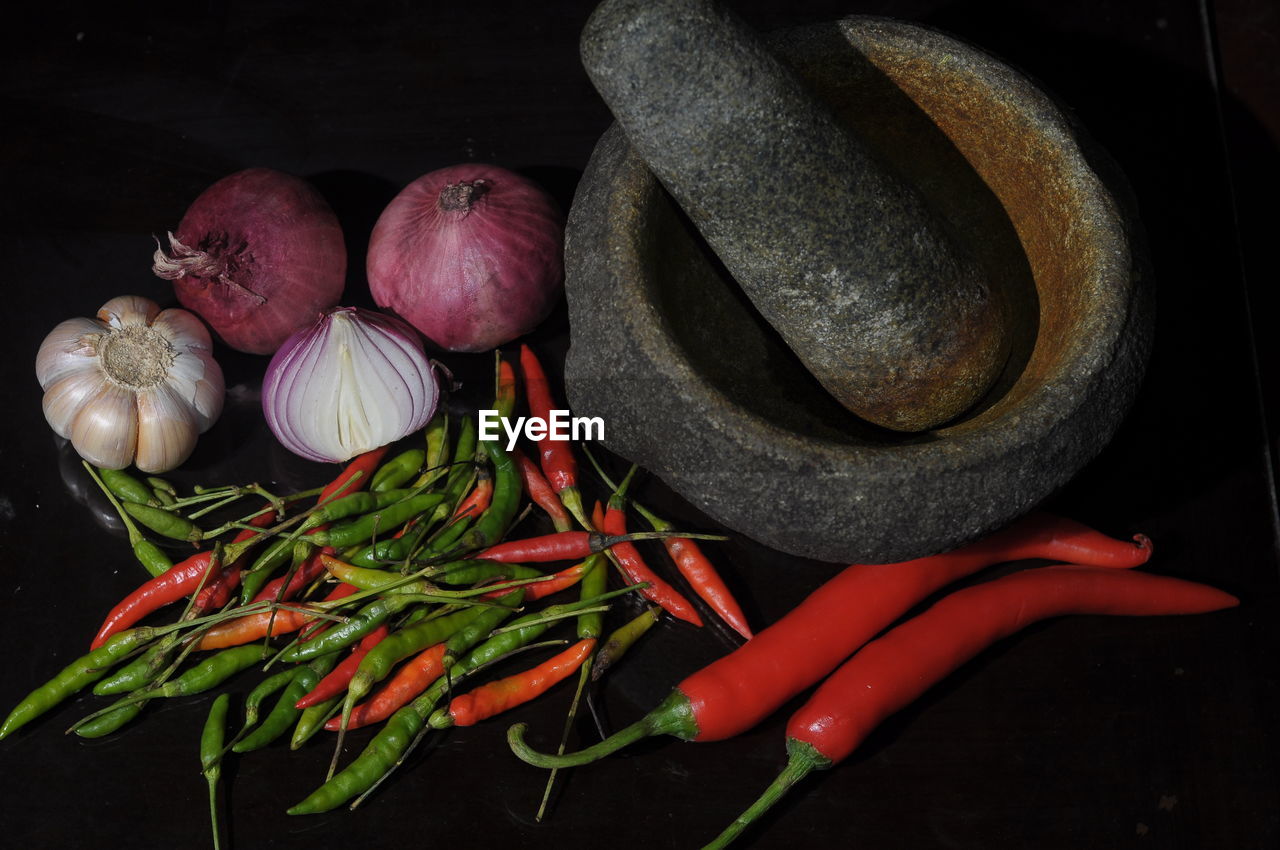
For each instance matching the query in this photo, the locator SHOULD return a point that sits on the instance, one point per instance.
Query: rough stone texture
(840, 255)
(695, 386)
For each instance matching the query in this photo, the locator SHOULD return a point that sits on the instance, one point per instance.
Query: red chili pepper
(540, 491)
(168, 587)
(496, 697)
(552, 584)
(217, 592)
(336, 682)
(364, 465)
(891, 672)
(739, 690)
(558, 463)
(478, 501)
(310, 570)
(409, 681)
(341, 591)
(701, 574)
(627, 558)
(561, 546)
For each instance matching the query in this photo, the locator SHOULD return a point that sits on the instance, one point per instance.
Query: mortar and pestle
(857, 290)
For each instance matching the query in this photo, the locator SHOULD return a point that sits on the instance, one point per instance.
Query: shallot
(258, 255)
(471, 255)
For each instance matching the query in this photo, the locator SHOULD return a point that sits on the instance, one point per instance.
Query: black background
(1081, 732)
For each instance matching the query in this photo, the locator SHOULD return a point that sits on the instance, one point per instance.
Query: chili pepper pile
(377, 598)
(371, 600)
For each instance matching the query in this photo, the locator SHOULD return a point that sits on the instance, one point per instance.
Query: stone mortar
(696, 387)
(843, 257)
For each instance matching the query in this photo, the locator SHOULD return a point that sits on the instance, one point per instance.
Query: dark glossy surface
(1081, 732)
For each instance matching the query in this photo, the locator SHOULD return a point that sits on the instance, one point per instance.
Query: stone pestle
(845, 260)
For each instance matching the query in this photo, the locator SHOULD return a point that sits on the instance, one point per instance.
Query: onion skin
(281, 250)
(475, 278)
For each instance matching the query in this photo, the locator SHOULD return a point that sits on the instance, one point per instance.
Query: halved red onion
(353, 381)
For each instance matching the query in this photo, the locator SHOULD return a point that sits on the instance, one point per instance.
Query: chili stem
(802, 759)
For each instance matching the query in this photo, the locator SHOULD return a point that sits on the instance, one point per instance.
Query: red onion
(471, 255)
(257, 256)
(352, 381)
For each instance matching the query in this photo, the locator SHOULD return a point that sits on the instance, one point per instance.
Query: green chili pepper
(165, 498)
(387, 746)
(162, 485)
(594, 583)
(79, 674)
(253, 702)
(211, 739)
(126, 488)
(397, 471)
(383, 520)
(151, 556)
(437, 434)
(463, 453)
(105, 724)
(470, 572)
(165, 523)
(312, 721)
(285, 712)
(357, 626)
(277, 554)
(212, 671)
(622, 639)
(141, 670)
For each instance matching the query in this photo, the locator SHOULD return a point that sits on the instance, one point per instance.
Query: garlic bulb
(136, 385)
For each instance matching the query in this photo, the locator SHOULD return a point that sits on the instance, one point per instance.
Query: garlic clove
(166, 433)
(64, 398)
(182, 329)
(65, 350)
(105, 428)
(128, 310)
(197, 379)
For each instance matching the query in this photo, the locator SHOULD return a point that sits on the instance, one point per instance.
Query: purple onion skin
(475, 278)
(284, 254)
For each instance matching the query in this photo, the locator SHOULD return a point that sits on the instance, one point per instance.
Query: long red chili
(494, 698)
(739, 690)
(558, 463)
(629, 561)
(892, 671)
(409, 681)
(166, 588)
(540, 491)
(336, 682)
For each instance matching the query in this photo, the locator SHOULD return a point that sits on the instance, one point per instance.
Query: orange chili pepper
(409, 681)
(496, 697)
